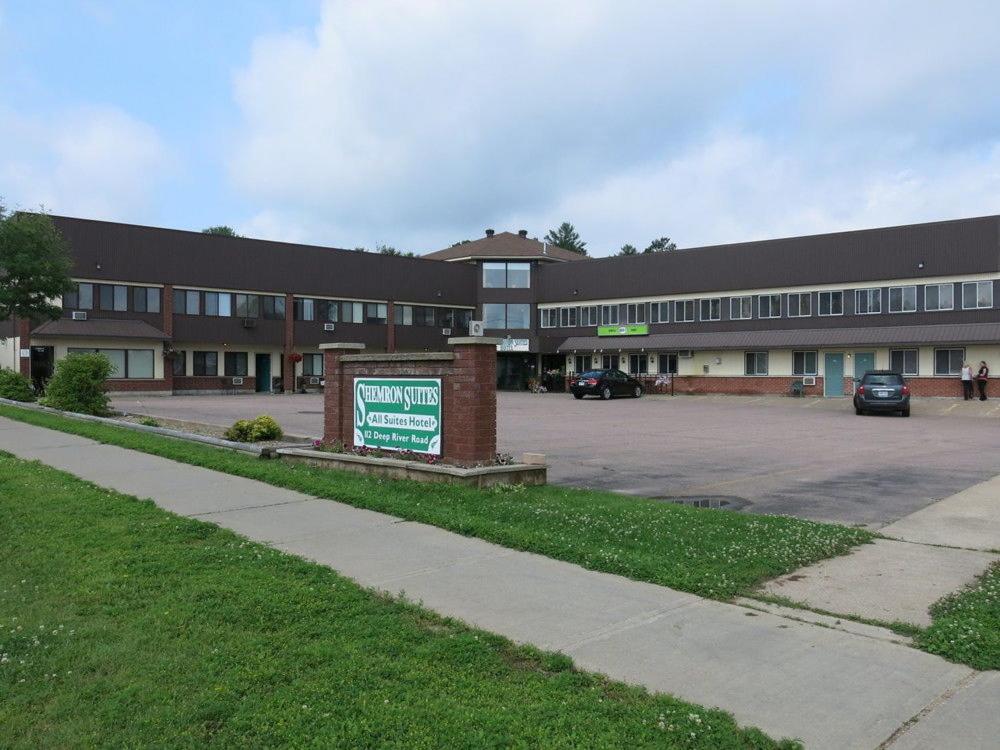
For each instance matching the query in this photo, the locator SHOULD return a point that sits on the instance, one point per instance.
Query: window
(272, 308)
(868, 301)
(376, 312)
(939, 297)
(146, 299)
(590, 315)
(506, 275)
(494, 315)
(756, 363)
(179, 363)
(567, 317)
(659, 312)
(206, 363)
(948, 361)
(304, 309)
(769, 306)
(519, 316)
(81, 297)
(212, 303)
(325, 310)
(236, 364)
(635, 312)
(902, 299)
(904, 361)
(188, 302)
(804, 363)
(668, 363)
(312, 365)
(741, 308)
(638, 364)
(609, 316)
(711, 309)
(106, 297)
(684, 311)
(831, 303)
(800, 305)
(977, 294)
(582, 363)
(125, 363)
(609, 362)
(549, 317)
(353, 312)
(403, 315)
(462, 319)
(247, 306)
(120, 294)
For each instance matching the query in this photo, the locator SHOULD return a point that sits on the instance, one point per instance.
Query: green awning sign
(633, 329)
(398, 414)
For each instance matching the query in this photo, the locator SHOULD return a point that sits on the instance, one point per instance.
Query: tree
(222, 230)
(660, 245)
(628, 250)
(390, 250)
(567, 238)
(461, 242)
(34, 266)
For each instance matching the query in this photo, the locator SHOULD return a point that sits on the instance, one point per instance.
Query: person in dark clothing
(982, 377)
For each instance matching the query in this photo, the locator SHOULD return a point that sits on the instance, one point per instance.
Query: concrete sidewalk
(830, 688)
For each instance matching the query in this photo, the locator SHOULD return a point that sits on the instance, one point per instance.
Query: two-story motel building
(185, 312)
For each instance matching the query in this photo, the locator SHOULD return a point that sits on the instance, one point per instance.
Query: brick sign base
(468, 392)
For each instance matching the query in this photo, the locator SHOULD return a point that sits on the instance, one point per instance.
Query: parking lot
(806, 457)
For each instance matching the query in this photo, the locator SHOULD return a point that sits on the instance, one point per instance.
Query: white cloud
(92, 162)
(419, 123)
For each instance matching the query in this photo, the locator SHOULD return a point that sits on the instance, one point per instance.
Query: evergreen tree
(567, 238)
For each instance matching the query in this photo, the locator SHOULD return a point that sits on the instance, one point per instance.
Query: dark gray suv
(882, 390)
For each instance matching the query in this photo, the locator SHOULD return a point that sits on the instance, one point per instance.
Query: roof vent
(522, 232)
(489, 232)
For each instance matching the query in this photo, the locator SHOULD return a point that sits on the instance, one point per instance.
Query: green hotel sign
(634, 329)
(398, 414)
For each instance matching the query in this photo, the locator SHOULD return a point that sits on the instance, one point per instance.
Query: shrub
(149, 422)
(254, 430)
(15, 386)
(78, 384)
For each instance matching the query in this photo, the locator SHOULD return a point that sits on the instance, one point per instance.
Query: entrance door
(863, 362)
(554, 372)
(263, 365)
(833, 375)
(42, 364)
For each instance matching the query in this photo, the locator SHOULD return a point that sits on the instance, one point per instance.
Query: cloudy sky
(418, 124)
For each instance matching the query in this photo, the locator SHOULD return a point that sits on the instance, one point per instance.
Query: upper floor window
(711, 309)
(831, 303)
(902, 299)
(567, 317)
(868, 301)
(684, 311)
(769, 306)
(977, 294)
(659, 312)
(635, 312)
(500, 316)
(800, 305)
(501, 275)
(939, 297)
(609, 315)
(741, 308)
(549, 317)
(590, 315)
(146, 299)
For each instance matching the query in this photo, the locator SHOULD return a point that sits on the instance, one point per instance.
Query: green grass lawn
(712, 553)
(966, 626)
(122, 625)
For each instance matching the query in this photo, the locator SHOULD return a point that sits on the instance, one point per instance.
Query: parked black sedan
(606, 384)
(882, 390)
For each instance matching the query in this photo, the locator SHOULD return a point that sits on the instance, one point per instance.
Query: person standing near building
(967, 381)
(981, 378)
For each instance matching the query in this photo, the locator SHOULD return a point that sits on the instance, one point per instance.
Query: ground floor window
(609, 362)
(948, 361)
(180, 363)
(804, 363)
(236, 365)
(206, 363)
(668, 364)
(125, 363)
(312, 364)
(756, 363)
(638, 364)
(904, 361)
(582, 363)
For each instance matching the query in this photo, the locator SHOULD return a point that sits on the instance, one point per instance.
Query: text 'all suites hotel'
(185, 312)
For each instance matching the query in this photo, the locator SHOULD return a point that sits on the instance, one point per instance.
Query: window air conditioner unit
(446, 332)
(237, 381)
(476, 328)
(249, 322)
(313, 381)
(811, 380)
(685, 354)
(328, 326)
(79, 315)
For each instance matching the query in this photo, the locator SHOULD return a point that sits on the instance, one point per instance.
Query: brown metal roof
(505, 245)
(951, 333)
(99, 328)
(953, 248)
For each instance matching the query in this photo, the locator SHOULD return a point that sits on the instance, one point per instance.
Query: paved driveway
(807, 457)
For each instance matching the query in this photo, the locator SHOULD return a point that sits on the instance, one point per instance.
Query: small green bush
(15, 386)
(149, 422)
(254, 430)
(78, 384)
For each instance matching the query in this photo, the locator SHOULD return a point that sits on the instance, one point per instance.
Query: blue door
(863, 362)
(833, 375)
(263, 365)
